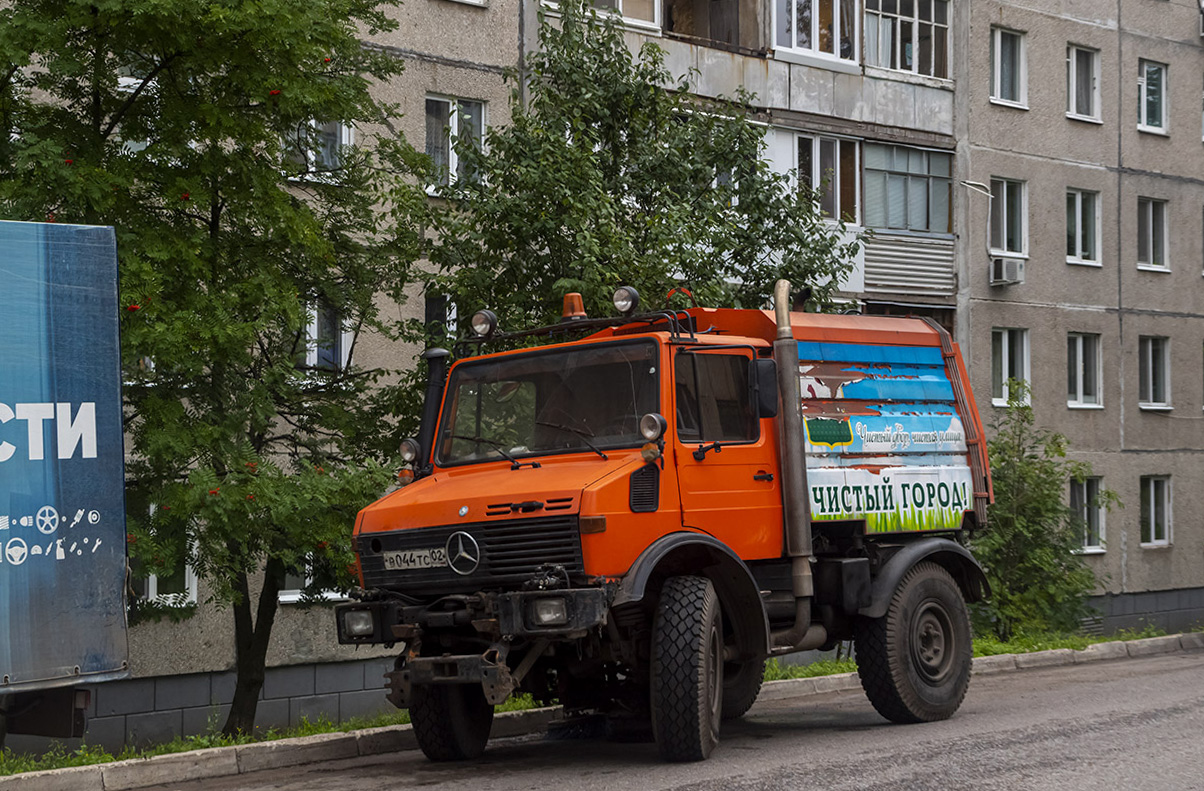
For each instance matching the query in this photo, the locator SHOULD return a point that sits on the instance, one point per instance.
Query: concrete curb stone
(241, 759)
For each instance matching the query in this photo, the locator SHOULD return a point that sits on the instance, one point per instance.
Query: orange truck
(633, 517)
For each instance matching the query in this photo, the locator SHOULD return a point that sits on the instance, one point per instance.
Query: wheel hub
(931, 645)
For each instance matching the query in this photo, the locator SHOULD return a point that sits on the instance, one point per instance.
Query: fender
(699, 553)
(950, 555)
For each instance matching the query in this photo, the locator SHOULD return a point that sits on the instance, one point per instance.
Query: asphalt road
(1129, 724)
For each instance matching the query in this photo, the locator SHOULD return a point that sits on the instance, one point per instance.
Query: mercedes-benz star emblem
(463, 554)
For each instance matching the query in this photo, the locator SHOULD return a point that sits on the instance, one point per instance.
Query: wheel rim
(714, 676)
(933, 643)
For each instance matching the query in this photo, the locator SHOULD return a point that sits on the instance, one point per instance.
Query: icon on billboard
(3, 523)
(35, 550)
(59, 554)
(26, 521)
(15, 551)
(93, 517)
(96, 546)
(78, 516)
(47, 519)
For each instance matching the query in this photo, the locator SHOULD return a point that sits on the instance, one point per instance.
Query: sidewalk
(241, 759)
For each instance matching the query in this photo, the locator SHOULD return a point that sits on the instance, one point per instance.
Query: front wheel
(451, 721)
(914, 662)
(687, 669)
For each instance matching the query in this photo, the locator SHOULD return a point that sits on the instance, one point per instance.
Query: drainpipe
(796, 506)
(436, 379)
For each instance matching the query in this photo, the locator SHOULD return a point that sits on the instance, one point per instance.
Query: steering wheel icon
(47, 519)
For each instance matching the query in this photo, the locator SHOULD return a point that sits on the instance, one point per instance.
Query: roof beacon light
(574, 307)
(484, 323)
(627, 299)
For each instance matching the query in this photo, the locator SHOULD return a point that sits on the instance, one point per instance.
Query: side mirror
(765, 387)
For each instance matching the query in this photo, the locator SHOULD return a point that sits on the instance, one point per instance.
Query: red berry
(134, 307)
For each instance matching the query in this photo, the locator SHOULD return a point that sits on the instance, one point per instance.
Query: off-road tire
(687, 669)
(451, 721)
(741, 685)
(914, 662)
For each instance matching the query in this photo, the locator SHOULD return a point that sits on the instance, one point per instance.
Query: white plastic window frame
(635, 23)
(346, 339)
(296, 595)
(313, 171)
(1072, 75)
(1021, 68)
(815, 178)
(999, 204)
(1150, 487)
(1087, 505)
(1077, 350)
(1163, 126)
(813, 51)
(886, 24)
(1079, 198)
(191, 587)
(1009, 337)
(1152, 214)
(452, 131)
(1150, 347)
(931, 181)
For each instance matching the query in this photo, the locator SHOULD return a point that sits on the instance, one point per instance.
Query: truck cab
(630, 518)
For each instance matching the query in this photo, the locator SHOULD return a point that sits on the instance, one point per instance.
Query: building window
(1155, 510)
(1152, 98)
(319, 145)
(1082, 83)
(907, 36)
(298, 587)
(637, 10)
(1009, 360)
(1083, 370)
(1008, 77)
(1082, 227)
(1085, 505)
(908, 189)
(174, 589)
(829, 166)
(448, 122)
(1151, 234)
(1008, 217)
(327, 341)
(822, 27)
(1153, 363)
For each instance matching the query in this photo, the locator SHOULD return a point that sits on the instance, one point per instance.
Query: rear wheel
(741, 685)
(451, 721)
(914, 662)
(687, 669)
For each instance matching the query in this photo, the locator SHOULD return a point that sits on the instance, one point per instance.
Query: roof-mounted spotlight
(484, 323)
(626, 299)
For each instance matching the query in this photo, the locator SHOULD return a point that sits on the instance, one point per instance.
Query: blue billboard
(62, 516)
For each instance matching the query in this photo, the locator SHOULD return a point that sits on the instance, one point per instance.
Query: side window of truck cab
(713, 403)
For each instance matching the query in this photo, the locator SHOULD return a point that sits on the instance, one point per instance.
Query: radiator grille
(511, 551)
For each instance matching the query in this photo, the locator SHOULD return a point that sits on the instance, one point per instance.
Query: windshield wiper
(514, 463)
(584, 435)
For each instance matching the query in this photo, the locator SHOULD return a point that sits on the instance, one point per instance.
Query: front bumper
(553, 613)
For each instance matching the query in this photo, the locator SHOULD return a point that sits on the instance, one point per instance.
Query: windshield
(585, 398)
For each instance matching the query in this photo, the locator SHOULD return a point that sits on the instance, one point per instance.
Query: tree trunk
(251, 647)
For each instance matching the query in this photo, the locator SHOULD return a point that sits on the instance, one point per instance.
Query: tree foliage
(1039, 582)
(611, 172)
(189, 127)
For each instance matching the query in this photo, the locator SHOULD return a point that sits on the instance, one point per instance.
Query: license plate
(416, 559)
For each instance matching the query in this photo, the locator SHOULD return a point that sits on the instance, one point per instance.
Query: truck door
(726, 456)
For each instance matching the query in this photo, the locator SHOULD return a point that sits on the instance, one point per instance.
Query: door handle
(763, 476)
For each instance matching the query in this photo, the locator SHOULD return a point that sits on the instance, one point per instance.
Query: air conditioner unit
(1005, 271)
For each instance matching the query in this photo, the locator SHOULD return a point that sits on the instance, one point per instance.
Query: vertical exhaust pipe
(436, 379)
(796, 505)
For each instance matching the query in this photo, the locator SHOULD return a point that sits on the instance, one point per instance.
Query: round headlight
(484, 322)
(653, 426)
(626, 299)
(410, 450)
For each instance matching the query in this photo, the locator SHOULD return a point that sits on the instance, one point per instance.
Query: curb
(244, 758)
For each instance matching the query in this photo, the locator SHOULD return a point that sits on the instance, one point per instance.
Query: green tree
(195, 128)
(1038, 580)
(612, 172)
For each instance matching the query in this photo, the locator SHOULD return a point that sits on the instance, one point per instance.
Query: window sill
(1003, 402)
(1092, 264)
(829, 62)
(1155, 407)
(1009, 254)
(476, 3)
(1166, 270)
(1079, 405)
(1090, 551)
(1153, 130)
(1166, 545)
(1087, 119)
(1006, 103)
(296, 597)
(899, 75)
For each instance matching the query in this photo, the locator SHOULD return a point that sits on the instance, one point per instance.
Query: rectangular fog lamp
(358, 623)
(549, 612)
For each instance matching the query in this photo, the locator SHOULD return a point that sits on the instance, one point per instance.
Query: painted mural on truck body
(883, 437)
(62, 518)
